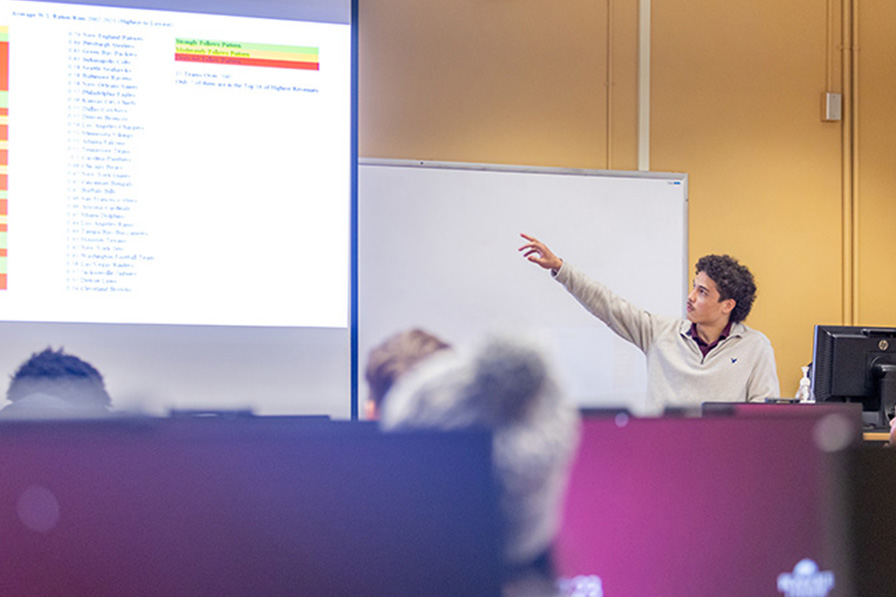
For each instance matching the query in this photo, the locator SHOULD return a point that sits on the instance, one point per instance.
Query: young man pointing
(710, 356)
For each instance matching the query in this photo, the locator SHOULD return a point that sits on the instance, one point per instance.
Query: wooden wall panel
(512, 82)
(735, 100)
(736, 103)
(876, 175)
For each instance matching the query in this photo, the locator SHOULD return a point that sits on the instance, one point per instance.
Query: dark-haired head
(59, 374)
(733, 281)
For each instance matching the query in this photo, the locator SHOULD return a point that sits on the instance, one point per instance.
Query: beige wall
(735, 102)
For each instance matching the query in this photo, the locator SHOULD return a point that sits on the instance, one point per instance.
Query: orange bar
(4, 132)
(2, 281)
(4, 66)
(4, 157)
(2, 252)
(3, 211)
(4, 111)
(3, 183)
(3, 228)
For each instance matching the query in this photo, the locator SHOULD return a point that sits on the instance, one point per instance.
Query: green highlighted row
(204, 44)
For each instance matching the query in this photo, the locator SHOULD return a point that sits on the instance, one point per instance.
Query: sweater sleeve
(628, 321)
(763, 381)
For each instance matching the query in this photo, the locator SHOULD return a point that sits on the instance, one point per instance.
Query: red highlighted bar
(4, 136)
(235, 61)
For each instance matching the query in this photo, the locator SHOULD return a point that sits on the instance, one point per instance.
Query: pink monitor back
(678, 507)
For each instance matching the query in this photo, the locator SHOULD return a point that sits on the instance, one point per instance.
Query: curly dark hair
(733, 280)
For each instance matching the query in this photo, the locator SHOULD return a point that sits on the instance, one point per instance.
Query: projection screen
(177, 198)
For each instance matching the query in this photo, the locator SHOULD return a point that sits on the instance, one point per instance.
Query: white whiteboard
(437, 249)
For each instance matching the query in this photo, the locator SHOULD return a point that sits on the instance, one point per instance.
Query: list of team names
(104, 128)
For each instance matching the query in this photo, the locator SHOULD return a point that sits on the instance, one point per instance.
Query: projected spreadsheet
(165, 167)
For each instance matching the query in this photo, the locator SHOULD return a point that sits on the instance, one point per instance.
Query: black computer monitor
(245, 506)
(856, 364)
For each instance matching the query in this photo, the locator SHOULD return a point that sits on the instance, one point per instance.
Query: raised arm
(538, 252)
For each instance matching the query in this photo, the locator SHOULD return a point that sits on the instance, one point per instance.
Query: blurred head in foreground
(504, 385)
(53, 384)
(393, 358)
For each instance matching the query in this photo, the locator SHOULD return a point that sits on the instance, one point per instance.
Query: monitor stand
(885, 374)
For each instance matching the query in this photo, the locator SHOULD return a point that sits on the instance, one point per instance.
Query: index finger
(533, 243)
